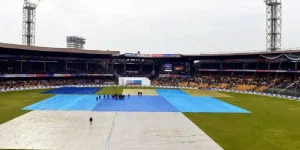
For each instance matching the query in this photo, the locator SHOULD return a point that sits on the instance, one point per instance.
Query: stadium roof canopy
(48, 51)
(239, 55)
(246, 54)
(295, 53)
(14, 47)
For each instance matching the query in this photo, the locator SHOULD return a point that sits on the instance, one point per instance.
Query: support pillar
(199, 67)
(87, 65)
(296, 68)
(269, 67)
(66, 65)
(21, 65)
(221, 67)
(44, 66)
(244, 64)
(188, 67)
(297, 83)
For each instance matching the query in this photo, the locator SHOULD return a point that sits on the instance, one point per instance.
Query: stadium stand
(244, 83)
(23, 83)
(25, 66)
(52, 67)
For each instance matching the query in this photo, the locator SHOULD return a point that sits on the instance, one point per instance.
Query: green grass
(119, 90)
(274, 124)
(11, 103)
(110, 90)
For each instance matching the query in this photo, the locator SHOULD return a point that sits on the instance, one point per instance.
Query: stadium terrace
(57, 98)
(270, 72)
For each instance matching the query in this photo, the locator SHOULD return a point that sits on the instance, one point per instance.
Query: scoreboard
(174, 67)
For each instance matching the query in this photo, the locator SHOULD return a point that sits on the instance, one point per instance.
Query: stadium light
(32, 3)
(273, 24)
(28, 25)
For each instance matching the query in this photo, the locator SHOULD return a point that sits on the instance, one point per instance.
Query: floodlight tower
(29, 10)
(273, 22)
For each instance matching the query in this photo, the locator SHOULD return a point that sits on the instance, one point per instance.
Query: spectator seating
(234, 82)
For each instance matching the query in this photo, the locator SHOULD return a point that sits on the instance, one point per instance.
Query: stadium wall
(172, 87)
(134, 81)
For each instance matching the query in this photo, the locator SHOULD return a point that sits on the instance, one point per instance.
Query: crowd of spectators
(53, 69)
(258, 82)
(22, 83)
(171, 81)
(69, 71)
(285, 82)
(231, 81)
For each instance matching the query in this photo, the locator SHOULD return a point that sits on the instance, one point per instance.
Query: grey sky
(152, 26)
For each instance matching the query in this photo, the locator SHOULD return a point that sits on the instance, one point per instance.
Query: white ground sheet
(110, 131)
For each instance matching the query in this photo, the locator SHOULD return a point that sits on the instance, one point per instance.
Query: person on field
(91, 121)
(97, 99)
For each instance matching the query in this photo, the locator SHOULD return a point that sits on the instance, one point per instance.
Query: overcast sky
(152, 26)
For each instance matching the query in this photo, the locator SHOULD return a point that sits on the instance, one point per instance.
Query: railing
(290, 85)
(258, 93)
(96, 85)
(53, 75)
(172, 87)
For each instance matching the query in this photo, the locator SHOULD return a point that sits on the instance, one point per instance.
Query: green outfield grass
(11, 103)
(194, 92)
(274, 123)
(110, 90)
(119, 90)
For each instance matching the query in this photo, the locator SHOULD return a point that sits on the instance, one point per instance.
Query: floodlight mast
(29, 15)
(273, 25)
